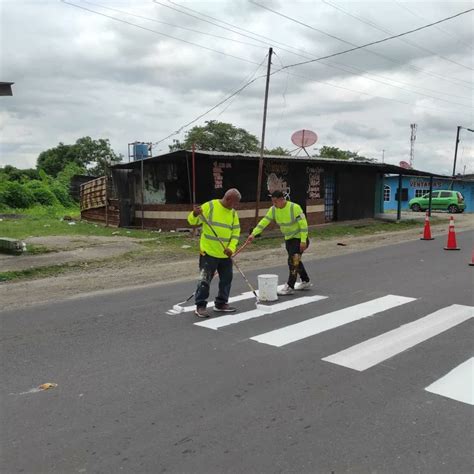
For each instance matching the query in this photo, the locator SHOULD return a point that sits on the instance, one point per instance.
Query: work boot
(286, 290)
(224, 308)
(201, 312)
(304, 285)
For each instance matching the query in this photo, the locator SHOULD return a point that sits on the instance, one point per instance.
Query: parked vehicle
(451, 201)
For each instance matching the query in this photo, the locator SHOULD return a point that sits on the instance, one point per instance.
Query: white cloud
(77, 73)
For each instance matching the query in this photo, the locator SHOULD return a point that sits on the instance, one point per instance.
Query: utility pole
(413, 127)
(262, 147)
(383, 156)
(456, 148)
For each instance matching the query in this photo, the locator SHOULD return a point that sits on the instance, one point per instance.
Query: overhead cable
(358, 47)
(159, 33)
(341, 67)
(384, 30)
(446, 32)
(171, 24)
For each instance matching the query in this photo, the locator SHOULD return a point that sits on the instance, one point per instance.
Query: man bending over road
(219, 215)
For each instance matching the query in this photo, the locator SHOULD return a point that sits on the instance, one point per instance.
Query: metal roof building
(158, 192)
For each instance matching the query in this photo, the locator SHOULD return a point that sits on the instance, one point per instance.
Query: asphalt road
(142, 391)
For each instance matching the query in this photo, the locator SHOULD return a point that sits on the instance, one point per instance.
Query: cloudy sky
(140, 70)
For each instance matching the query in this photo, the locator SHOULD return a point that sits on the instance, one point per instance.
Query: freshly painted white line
(373, 351)
(217, 323)
(244, 296)
(310, 327)
(457, 384)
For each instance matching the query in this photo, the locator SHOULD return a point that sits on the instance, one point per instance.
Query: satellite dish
(304, 138)
(404, 164)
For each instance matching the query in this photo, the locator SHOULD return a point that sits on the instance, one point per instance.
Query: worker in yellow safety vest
(216, 217)
(293, 225)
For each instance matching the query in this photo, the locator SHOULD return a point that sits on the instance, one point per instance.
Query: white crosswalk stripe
(457, 384)
(216, 323)
(244, 296)
(377, 349)
(319, 324)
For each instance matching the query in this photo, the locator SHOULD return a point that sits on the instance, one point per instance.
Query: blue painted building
(416, 186)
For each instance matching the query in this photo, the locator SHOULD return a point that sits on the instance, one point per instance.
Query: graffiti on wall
(314, 182)
(218, 173)
(276, 174)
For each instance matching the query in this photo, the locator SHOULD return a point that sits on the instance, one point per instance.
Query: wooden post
(262, 145)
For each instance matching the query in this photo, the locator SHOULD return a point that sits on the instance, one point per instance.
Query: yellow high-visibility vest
(291, 219)
(226, 224)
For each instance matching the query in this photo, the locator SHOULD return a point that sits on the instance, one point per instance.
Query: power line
(340, 67)
(159, 32)
(369, 94)
(240, 89)
(459, 40)
(146, 18)
(272, 41)
(398, 87)
(171, 24)
(251, 76)
(383, 40)
(211, 109)
(384, 30)
(219, 26)
(356, 47)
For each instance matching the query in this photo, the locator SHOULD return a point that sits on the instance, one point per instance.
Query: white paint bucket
(267, 287)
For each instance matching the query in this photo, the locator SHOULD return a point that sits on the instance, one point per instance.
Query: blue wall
(412, 183)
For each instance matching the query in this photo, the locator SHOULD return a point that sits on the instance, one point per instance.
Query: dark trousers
(208, 266)
(294, 262)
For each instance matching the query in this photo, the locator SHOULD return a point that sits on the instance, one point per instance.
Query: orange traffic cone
(451, 244)
(471, 263)
(427, 229)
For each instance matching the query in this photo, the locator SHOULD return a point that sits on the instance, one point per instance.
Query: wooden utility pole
(262, 146)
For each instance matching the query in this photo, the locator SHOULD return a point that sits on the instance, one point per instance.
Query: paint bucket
(267, 287)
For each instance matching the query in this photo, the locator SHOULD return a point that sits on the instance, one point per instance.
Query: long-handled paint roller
(178, 308)
(261, 307)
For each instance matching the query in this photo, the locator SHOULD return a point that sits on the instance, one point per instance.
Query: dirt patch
(155, 269)
(69, 249)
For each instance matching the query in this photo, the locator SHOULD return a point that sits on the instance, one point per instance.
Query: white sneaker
(304, 285)
(286, 290)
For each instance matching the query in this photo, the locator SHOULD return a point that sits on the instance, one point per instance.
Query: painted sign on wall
(276, 174)
(314, 182)
(218, 173)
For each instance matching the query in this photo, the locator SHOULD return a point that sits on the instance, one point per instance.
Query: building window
(420, 193)
(386, 193)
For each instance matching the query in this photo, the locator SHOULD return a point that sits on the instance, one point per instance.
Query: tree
(332, 152)
(277, 151)
(218, 136)
(86, 153)
(10, 173)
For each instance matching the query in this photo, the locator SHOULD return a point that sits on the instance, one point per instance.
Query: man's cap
(277, 194)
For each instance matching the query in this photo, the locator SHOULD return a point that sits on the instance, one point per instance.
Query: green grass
(340, 231)
(43, 221)
(165, 246)
(39, 272)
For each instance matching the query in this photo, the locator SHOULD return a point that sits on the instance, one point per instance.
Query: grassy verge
(38, 272)
(43, 221)
(155, 246)
(341, 231)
